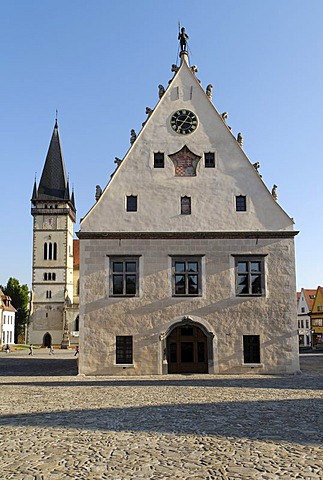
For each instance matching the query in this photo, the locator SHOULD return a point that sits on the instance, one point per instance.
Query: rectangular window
(209, 160)
(250, 276)
(187, 276)
(124, 276)
(251, 349)
(241, 203)
(131, 203)
(159, 161)
(124, 349)
(317, 322)
(186, 206)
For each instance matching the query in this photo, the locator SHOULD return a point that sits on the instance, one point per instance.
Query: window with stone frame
(241, 203)
(159, 160)
(251, 349)
(186, 208)
(124, 349)
(49, 276)
(209, 160)
(50, 251)
(187, 276)
(132, 203)
(124, 276)
(250, 275)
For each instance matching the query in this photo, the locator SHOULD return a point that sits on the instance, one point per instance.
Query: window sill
(123, 296)
(124, 365)
(253, 365)
(187, 296)
(250, 295)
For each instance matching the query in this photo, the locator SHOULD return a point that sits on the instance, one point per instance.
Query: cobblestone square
(57, 425)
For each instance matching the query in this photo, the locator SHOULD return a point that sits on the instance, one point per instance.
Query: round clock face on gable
(184, 122)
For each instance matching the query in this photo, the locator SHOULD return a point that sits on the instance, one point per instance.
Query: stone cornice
(186, 235)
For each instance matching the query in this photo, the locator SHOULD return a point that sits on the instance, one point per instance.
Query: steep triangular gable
(213, 191)
(318, 302)
(306, 300)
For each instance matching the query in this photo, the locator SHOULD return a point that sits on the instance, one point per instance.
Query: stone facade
(210, 285)
(54, 307)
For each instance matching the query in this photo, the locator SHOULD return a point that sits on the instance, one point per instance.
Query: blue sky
(99, 63)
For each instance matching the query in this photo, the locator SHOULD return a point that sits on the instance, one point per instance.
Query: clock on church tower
(49, 223)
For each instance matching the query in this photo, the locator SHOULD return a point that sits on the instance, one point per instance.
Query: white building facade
(7, 320)
(304, 307)
(186, 260)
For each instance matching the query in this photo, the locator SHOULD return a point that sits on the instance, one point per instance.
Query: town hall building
(187, 260)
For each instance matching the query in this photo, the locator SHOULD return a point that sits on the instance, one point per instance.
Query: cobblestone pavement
(57, 425)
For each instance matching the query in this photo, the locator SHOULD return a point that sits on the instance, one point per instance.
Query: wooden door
(187, 350)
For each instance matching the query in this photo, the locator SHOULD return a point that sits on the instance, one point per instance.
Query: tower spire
(53, 182)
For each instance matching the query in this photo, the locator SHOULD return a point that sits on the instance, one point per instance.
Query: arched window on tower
(50, 251)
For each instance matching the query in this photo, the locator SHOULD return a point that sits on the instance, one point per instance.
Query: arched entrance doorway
(187, 350)
(47, 340)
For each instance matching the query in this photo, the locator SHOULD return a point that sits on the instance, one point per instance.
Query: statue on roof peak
(183, 37)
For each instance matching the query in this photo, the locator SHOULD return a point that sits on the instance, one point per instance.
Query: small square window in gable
(159, 161)
(241, 203)
(132, 203)
(209, 160)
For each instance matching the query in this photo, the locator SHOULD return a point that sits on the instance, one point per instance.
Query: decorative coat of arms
(185, 162)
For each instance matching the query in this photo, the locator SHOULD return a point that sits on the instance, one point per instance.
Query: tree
(19, 295)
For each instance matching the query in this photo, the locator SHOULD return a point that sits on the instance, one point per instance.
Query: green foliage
(20, 301)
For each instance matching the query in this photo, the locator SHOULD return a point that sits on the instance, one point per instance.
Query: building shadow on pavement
(37, 367)
(278, 420)
(49, 368)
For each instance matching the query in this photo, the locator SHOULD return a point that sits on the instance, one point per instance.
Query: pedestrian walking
(31, 349)
(7, 349)
(77, 351)
(51, 350)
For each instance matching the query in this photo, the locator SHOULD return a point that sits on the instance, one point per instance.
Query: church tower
(54, 213)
